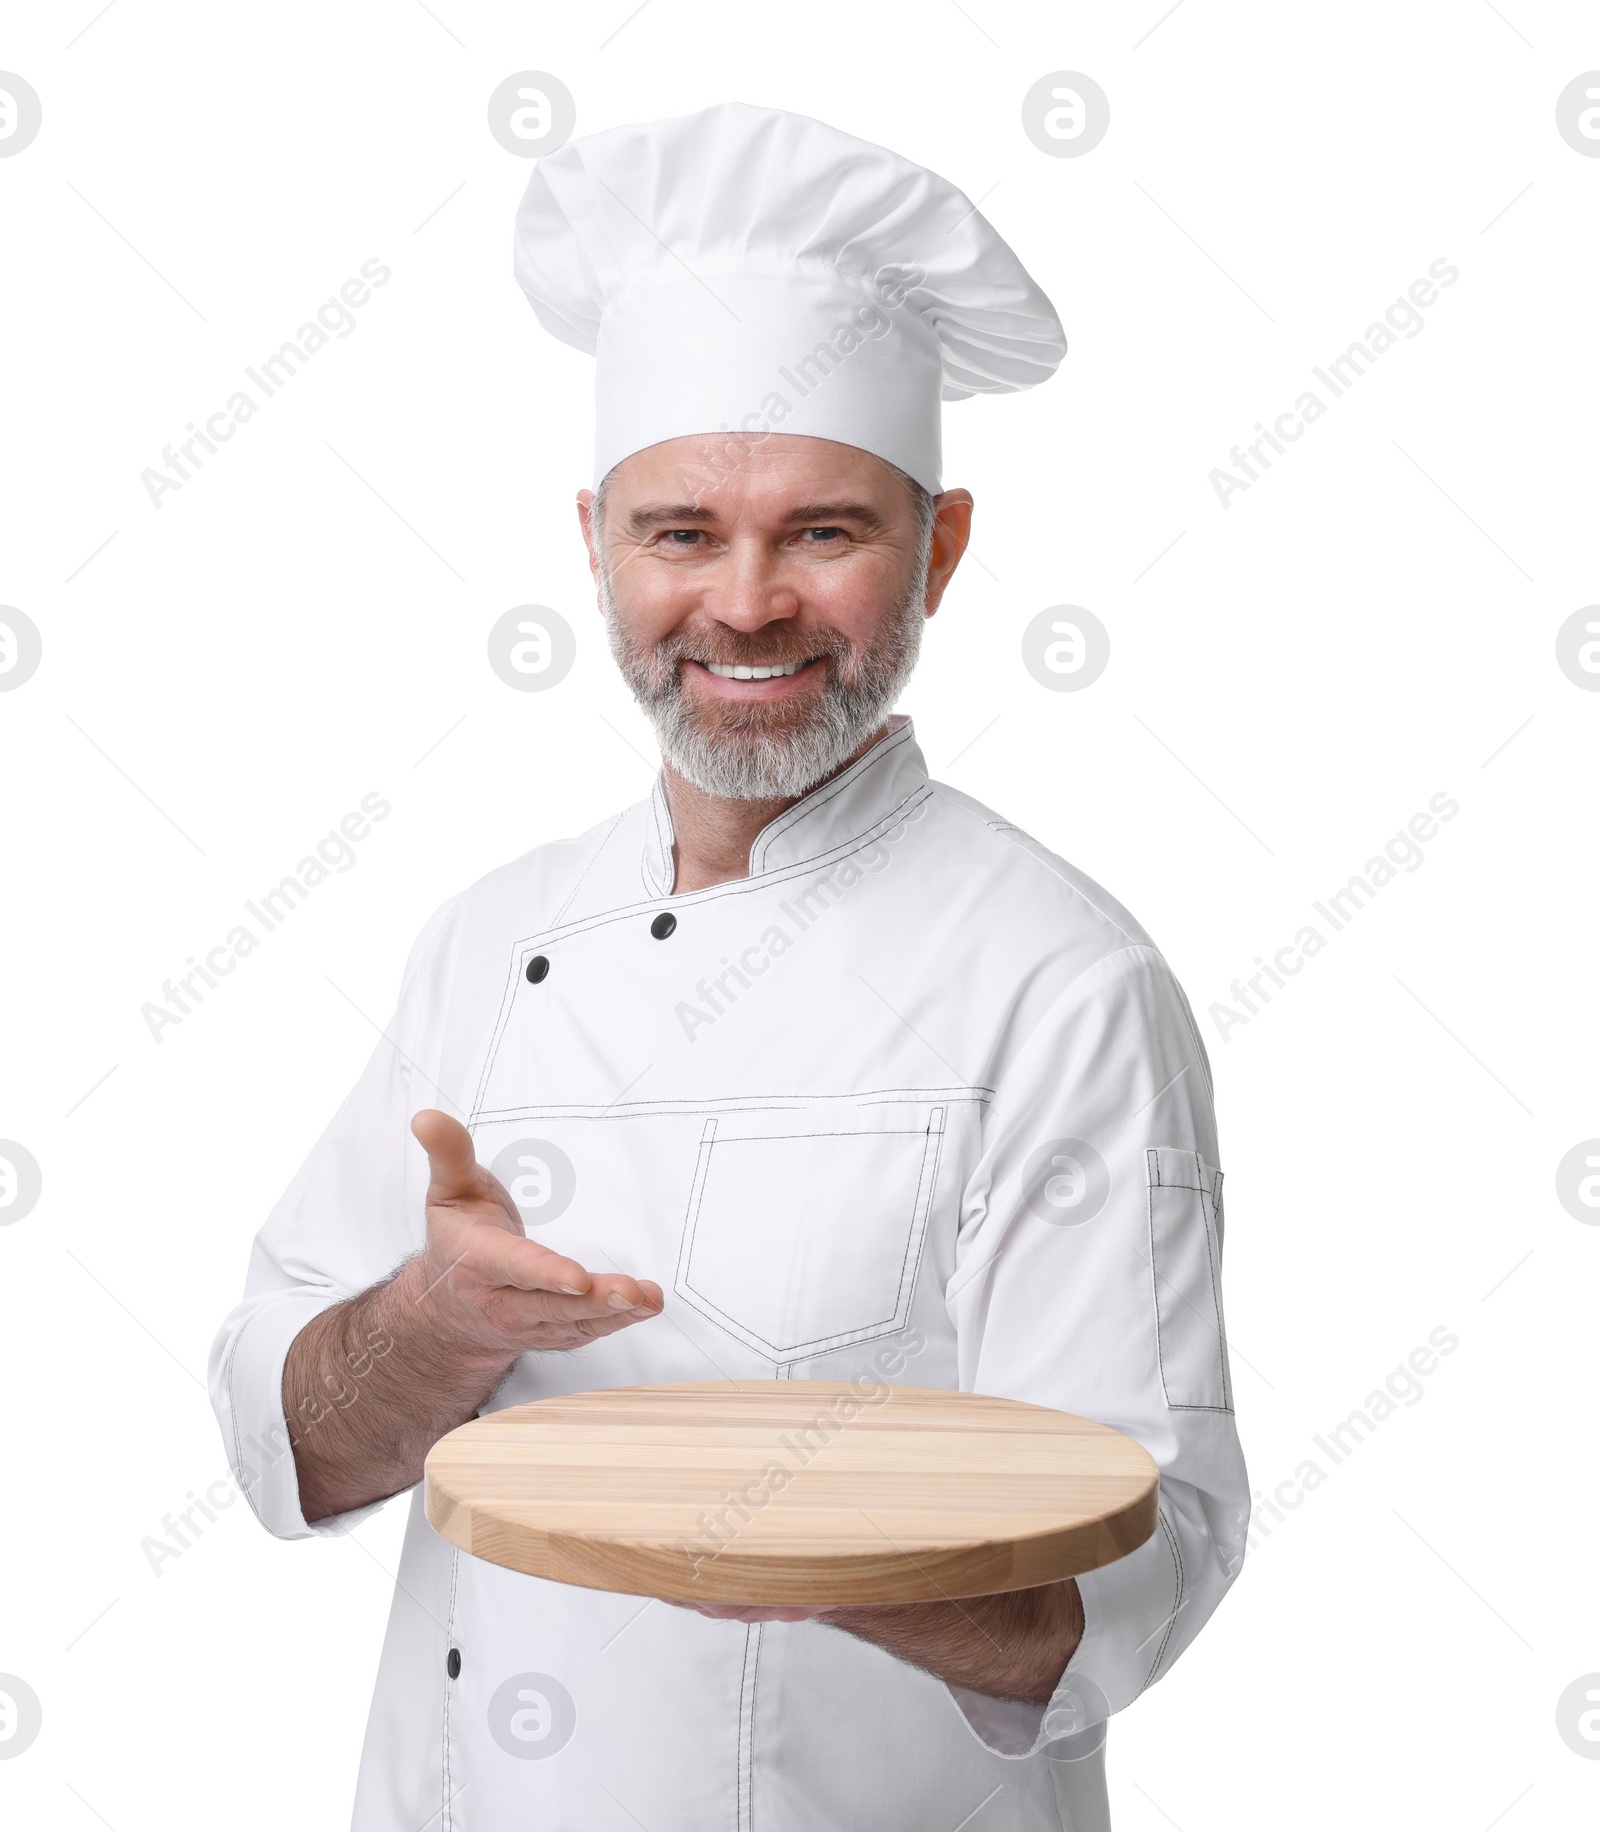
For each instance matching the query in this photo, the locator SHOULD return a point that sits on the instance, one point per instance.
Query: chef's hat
(747, 270)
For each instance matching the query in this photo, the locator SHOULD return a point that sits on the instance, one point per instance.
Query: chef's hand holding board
(371, 1384)
(945, 1527)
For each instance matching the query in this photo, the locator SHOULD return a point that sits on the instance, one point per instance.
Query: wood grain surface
(791, 1491)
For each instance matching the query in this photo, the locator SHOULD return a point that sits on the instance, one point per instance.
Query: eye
(684, 537)
(817, 537)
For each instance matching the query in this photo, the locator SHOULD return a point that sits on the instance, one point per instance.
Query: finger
(535, 1333)
(524, 1265)
(529, 1309)
(453, 1169)
(623, 1293)
(565, 1289)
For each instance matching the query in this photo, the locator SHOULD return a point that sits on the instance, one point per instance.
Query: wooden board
(790, 1491)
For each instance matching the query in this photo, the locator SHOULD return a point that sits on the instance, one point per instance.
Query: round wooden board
(791, 1491)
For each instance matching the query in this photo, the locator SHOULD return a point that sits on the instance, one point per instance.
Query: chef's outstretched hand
(493, 1287)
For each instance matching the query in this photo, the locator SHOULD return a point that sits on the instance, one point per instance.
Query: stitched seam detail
(1159, 1180)
(744, 1780)
(776, 1103)
(447, 1817)
(921, 1206)
(798, 1351)
(738, 1767)
(845, 848)
(927, 1210)
(972, 1091)
(691, 1220)
(1177, 1599)
(840, 1132)
(737, 887)
(508, 1003)
(508, 998)
(1155, 1285)
(792, 816)
(661, 828)
(1153, 1182)
(544, 938)
(755, 1689)
(1207, 1222)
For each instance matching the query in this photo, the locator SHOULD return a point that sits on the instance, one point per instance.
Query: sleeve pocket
(1186, 1278)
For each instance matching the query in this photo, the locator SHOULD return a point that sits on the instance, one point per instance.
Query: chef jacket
(914, 1102)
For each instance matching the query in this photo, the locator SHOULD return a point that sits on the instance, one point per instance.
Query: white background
(1371, 623)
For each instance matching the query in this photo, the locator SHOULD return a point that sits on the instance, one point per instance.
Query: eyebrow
(808, 515)
(812, 515)
(659, 515)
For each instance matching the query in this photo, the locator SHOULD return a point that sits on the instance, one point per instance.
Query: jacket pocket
(1185, 1195)
(803, 1240)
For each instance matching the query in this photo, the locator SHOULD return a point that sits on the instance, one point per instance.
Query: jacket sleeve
(1087, 1278)
(351, 1215)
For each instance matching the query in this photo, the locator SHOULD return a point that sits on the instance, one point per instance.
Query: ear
(952, 529)
(590, 533)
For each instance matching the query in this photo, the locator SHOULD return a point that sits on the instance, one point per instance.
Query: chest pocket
(807, 1240)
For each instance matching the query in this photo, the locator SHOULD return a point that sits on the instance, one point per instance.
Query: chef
(806, 1067)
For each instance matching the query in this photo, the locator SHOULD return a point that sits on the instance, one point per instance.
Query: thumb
(453, 1170)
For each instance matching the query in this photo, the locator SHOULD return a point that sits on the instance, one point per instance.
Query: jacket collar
(843, 808)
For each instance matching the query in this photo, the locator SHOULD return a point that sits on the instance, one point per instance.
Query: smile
(727, 671)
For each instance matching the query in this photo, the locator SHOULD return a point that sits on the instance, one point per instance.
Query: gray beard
(758, 752)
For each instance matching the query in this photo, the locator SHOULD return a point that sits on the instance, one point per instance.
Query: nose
(750, 589)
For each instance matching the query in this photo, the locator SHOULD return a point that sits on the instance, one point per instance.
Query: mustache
(733, 650)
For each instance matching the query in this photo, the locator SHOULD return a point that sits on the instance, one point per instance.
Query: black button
(453, 1665)
(538, 967)
(663, 925)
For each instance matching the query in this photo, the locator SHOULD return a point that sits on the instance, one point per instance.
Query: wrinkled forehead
(729, 477)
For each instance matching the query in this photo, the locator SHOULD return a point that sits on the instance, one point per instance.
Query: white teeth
(729, 672)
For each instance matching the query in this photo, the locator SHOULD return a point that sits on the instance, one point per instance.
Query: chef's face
(765, 597)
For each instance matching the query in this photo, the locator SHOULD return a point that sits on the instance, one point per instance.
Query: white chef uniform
(815, 1112)
(914, 1101)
